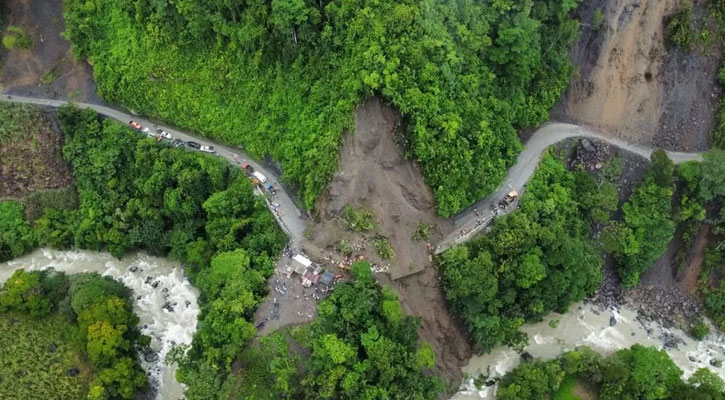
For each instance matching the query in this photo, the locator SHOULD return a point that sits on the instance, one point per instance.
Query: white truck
(261, 178)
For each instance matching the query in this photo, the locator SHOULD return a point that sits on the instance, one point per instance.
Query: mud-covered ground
(33, 159)
(48, 68)
(631, 84)
(374, 174)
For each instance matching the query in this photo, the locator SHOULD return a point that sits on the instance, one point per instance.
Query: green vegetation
(344, 247)
(689, 213)
(16, 236)
(383, 247)
(717, 12)
(35, 357)
(537, 259)
(565, 390)
(422, 231)
(679, 27)
(102, 325)
(598, 19)
(361, 346)
(134, 193)
(50, 76)
(635, 373)
(15, 119)
(465, 75)
(14, 36)
(358, 220)
(700, 330)
(189, 207)
(647, 226)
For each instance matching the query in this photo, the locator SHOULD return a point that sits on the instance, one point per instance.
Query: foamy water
(588, 325)
(155, 282)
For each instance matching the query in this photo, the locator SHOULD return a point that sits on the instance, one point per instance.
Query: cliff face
(631, 84)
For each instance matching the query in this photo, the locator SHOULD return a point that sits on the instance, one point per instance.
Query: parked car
(193, 145)
(148, 132)
(207, 149)
(248, 167)
(164, 134)
(135, 125)
(271, 189)
(177, 143)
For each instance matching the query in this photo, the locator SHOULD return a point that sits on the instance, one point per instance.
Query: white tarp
(302, 260)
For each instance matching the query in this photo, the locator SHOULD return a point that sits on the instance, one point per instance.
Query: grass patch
(28, 368)
(566, 389)
(15, 37)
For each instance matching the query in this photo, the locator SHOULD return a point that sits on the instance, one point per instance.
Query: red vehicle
(135, 125)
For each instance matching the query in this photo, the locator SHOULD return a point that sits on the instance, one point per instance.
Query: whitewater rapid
(590, 325)
(155, 282)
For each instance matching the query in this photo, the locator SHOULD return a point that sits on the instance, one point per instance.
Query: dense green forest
(102, 325)
(537, 259)
(134, 193)
(282, 78)
(635, 373)
(361, 346)
(647, 224)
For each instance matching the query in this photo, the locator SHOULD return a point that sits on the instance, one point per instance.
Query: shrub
(422, 231)
(700, 330)
(383, 247)
(679, 29)
(358, 220)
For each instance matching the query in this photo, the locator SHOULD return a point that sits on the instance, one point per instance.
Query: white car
(148, 132)
(207, 149)
(165, 135)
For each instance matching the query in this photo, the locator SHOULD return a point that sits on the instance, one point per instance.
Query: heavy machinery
(509, 199)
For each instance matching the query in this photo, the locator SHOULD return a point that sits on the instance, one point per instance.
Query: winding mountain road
(467, 224)
(290, 218)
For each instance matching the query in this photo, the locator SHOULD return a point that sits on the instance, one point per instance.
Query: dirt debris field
(373, 174)
(47, 69)
(630, 84)
(32, 159)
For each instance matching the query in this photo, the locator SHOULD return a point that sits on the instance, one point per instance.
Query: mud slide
(633, 85)
(373, 174)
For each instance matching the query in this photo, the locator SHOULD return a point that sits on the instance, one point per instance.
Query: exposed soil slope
(630, 84)
(47, 69)
(373, 174)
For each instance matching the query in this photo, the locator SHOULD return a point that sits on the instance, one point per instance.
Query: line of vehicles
(161, 134)
(257, 177)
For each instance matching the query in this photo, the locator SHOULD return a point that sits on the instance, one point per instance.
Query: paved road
(292, 220)
(469, 223)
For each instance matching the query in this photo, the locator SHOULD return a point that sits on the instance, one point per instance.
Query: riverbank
(165, 302)
(603, 329)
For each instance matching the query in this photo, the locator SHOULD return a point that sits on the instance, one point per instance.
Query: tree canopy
(281, 78)
(537, 259)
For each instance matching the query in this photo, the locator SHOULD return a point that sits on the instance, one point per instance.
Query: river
(589, 325)
(165, 327)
